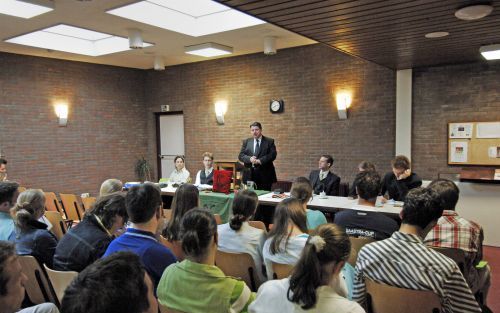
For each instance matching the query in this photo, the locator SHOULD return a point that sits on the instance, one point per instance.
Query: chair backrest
(60, 281)
(284, 185)
(356, 244)
(88, 202)
(58, 226)
(388, 299)
(21, 189)
(164, 309)
(37, 286)
(52, 203)
(71, 206)
(175, 247)
(167, 214)
(218, 219)
(258, 224)
(239, 265)
(456, 255)
(281, 271)
(344, 189)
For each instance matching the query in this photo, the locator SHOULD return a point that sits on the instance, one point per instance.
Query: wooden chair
(343, 189)
(388, 299)
(175, 247)
(88, 202)
(167, 214)
(60, 280)
(218, 219)
(21, 189)
(71, 206)
(258, 224)
(284, 185)
(58, 225)
(356, 244)
(37, 286)
(281, 271)
(456, 255)
(52, 203)
(228, 166)
(239, 265)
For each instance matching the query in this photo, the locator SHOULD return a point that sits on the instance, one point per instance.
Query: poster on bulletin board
(474, 143)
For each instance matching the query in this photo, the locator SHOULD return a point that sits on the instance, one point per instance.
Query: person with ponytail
(238, 236)
(303, 191)
(288, 236)
(31, 236)
(316, 283)
(196, 285)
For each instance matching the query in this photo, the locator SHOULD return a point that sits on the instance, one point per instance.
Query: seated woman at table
(302, 191)
(186, 198)
(288, 236)
(364, 166)
(31, 236)
(180, 174)
(316, 283)
(206, 175)
(238, 236)
(197, 284)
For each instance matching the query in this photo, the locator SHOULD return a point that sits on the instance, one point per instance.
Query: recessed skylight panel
(22, 9)
(194, 8)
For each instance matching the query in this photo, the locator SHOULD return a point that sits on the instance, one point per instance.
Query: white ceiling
(169, 44)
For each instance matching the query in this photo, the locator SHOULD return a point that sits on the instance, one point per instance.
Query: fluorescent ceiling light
(24, 9)
(194, 17)
(474, 12)
(491, 52)
(74, 40)
(436, 34)
(209, 49)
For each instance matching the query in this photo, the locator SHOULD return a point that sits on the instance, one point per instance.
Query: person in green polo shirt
(196, 285)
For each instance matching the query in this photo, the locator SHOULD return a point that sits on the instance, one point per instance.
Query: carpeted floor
(492, 255)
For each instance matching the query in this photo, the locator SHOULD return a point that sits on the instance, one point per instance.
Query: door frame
(158, 138)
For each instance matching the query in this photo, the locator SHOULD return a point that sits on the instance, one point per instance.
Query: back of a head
(367, 166)
(422, 206)
(244, 206)
(301, 189)
(30, 204)
(186, 198)
(328, 243)
(287, 211)
(198, 228)
(111, 285)
(368, 185)
(110, 186)
(7, 251)
(401, 162)
(448, 192)
(142, 202)
(7, 191)
(108, 207)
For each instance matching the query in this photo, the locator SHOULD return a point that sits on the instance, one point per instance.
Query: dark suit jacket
(330, 185)
(264, 174)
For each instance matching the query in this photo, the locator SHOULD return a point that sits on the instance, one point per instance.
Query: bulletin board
(474, 143)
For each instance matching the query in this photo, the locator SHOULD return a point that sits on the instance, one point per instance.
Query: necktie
(257, 148)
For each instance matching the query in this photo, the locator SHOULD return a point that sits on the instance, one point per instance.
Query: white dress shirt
(198, 175)
(179, 176)
(290, 255)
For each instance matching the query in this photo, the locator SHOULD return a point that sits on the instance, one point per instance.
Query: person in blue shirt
(302, 190)
(8, 197)
(143, 204)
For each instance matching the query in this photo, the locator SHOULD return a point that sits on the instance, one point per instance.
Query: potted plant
(143, 169)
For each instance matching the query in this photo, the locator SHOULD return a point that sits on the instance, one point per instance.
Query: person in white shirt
(315, 284)
(238, 236)
(288, 236)
(180, 174)
(206, 175)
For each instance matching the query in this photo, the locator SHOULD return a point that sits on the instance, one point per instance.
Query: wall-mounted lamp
(220, 110)
(62, 114)
(343, 102)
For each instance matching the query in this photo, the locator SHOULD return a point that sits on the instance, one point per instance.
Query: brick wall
(304, 78)
(105, 132)
(455, 93)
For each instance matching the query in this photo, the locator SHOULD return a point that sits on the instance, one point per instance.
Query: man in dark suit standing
(258, 154)
(324, 180)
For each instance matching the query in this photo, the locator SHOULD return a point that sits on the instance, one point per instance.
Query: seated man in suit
(401, 180)
(324, 180)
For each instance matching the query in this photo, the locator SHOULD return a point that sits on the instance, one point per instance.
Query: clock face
(275, 106)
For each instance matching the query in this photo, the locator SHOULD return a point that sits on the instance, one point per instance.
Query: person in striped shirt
(404, 261)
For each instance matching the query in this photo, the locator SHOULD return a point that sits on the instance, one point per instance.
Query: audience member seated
(180, 175)
(143, 203)
(110, 186)
(3, 169)
(86, 242)
(31, 236)
(316, 283)
(322, 179)
(8, 197)
(401, 180)
(206, 176)
(453, 231)
(196, 285)
(364, 220)
(186, 197)
(238, 236)
(288, 236)
(302, 191)
(404, 261)
(12, 280)
(116, 284)
(364, 166)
